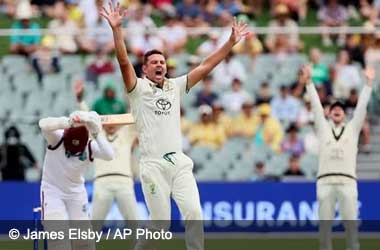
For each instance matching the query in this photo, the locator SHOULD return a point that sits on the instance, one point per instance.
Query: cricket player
(165, 171)
(69, 153)
(338, 150)
(113, 179)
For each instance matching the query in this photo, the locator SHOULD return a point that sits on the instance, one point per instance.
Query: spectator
(351, 104)
(306, 115)
(294, 167)
(206, 133)
(264, 94)
(206, 95)
(268, 130)
(173, 35)
(227, 71)
(98, 36)
(46, 60)
(65, 37)
(297, 8)
(320, 72)
(14, 155)
(171, 64)
(250, 45)
(164, 6)
(285, 107)
(355, 49)
(138, 23)
(209, 45)
(220, 118)
(234, 99)
(148, 41)
(233, 7)
(101, 65)
(347, 76)
(24, 44)
(293, 144)
(192, 62)
(210, 11)
(259, 173)
(283, 43)
(109, 103)
(244, 124)
(332, 14)
(189, 13)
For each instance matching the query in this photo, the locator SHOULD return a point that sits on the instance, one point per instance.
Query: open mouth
(158, 72)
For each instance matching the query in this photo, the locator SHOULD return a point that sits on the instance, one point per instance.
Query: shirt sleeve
(137, 89)
(319, 116)
(101, 148)
(182, 83)
(52, 128)
(361, 109)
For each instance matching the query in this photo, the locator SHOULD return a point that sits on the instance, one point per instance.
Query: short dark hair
(152, 52)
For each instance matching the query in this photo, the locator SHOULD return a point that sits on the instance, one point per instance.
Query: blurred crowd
(280, 118)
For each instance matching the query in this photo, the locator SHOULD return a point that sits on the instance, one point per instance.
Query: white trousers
(60, 214)
(114, 188)
(346, 194)
(166, 177)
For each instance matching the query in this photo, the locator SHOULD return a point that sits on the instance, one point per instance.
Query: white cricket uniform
(63, 194)
(165, 170)
(337, 168)
(114, 179)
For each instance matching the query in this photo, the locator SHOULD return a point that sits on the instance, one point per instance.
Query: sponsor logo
(164, 107)
(163, 104)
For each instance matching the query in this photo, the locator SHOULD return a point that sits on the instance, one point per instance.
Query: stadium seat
(24, 83)
(14, 64)
(309, 164)
(55, 83)
(277, 164)
(71, 64)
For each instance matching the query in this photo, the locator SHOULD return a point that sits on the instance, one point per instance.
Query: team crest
(152, 188)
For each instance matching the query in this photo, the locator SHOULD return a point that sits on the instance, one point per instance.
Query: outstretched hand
(79, 90)
(305, 75)
(114, 15)
(239, 30)
(370, 74)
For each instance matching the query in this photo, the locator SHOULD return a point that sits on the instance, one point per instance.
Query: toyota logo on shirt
(163, 104)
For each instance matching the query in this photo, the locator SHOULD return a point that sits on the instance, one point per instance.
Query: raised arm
(79, 92)
(305, 78)
(50, 127)
(361, 107)
(115, 16)
(200, 72)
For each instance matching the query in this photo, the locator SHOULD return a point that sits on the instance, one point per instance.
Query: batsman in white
(165, 171)
(113, 179)
(338, 151)
(69, 153)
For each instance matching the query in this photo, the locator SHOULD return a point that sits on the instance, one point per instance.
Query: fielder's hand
(79, 90)
(305, 75)
(114, 15)
(370, 74)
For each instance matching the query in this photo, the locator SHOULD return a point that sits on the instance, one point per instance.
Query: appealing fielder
(69, 153)
(113, 179)
(165, 171)
(337, 161)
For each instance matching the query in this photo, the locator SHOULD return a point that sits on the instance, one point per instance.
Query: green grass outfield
(217, 244)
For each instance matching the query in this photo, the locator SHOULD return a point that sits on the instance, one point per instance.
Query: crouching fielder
(337, 161)
(69, 153)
